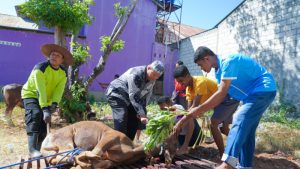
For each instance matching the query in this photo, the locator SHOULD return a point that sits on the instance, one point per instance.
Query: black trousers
(34, 118)
(125, 117)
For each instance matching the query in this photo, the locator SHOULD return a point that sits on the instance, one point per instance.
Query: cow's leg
(67, 145)
(127, 154)
(62, 158)
(136, 154)
(57, 143)
(105, 143)
(102, 146)
(110, 140)
(7, 115)
(20, 104)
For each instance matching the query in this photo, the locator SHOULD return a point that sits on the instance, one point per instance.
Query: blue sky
(199, 13)
(205, 14)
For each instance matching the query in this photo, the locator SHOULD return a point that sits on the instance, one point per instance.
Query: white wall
(267, 30)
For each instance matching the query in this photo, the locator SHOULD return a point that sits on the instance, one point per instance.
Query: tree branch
(115, 36)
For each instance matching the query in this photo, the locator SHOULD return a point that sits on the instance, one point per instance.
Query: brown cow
(102, 146)
(12, 98)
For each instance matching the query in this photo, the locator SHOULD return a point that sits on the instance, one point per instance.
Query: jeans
(240, 146)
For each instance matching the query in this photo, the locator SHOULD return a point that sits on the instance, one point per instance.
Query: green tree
(68, 16)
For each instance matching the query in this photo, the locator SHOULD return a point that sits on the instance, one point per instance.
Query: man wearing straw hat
(42, 92)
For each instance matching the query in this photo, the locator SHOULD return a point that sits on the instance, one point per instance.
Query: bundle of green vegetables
(159, 128)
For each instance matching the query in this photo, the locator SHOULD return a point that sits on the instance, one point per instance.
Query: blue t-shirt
(246, 74)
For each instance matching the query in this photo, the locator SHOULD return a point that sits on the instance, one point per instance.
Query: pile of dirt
(278, 160)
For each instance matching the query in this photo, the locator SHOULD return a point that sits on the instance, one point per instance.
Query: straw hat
(48, 48)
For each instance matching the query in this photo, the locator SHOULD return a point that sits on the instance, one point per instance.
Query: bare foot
(182, 150)
(224, 166)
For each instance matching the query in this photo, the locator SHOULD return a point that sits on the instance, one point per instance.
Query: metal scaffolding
(166, 33)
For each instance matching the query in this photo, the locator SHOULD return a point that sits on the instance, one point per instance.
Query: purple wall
(18, 58)
(139, 36)
(20, 51)
(169, 58)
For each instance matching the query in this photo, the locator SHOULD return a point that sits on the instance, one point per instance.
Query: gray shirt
(133, 88)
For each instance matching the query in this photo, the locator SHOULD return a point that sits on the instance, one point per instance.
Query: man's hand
(192, 114)
(177, 128)
(47, 115)
(183, 120)
(53, 107)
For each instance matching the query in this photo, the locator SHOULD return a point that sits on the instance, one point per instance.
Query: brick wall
(267, 30)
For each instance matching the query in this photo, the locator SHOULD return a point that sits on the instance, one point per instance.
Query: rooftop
(16, 22)
(185, 30)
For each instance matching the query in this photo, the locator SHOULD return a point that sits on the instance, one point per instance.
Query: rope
(38, 158)
(200, 138)
(73, 154)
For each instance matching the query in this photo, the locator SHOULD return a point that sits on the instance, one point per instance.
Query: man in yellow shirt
(198, 90)
(42, 92)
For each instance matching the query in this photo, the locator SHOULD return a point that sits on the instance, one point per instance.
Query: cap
(158, 66)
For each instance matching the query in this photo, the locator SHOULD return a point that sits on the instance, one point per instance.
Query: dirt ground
(13, 144)
(277, 160)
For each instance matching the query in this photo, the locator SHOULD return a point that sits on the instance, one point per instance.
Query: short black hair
(163, 99)
(201, 52)
(181, 71)
(179, 62)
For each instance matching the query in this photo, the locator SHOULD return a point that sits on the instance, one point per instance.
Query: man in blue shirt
(243, 79)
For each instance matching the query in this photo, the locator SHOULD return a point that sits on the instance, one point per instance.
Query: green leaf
(70, 16)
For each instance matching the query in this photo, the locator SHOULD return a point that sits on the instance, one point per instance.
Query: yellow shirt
(202, 86)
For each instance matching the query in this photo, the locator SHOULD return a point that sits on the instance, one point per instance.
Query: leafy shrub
(74, 107)
(278, 113)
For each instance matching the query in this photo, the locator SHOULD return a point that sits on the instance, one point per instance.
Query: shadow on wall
(187, 56)
(275, 19)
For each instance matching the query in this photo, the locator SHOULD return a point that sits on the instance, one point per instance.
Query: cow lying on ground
(12, 98)
(102, 146)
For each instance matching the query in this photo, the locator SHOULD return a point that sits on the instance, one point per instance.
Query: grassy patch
(101, 109)
(273, 137)
(278, 113)
(2, 105)
(13, 142)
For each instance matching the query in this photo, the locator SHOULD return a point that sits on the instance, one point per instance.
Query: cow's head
(166, 151)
